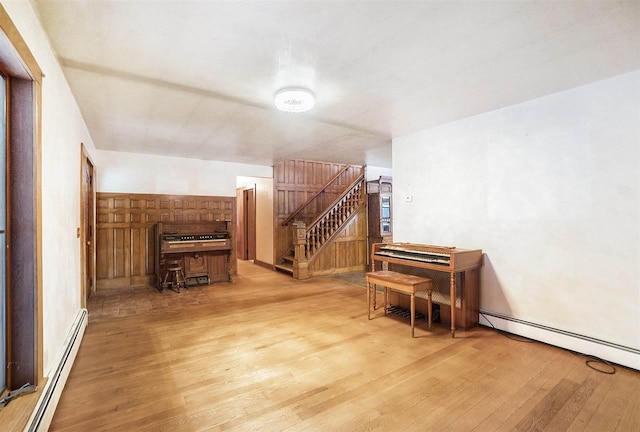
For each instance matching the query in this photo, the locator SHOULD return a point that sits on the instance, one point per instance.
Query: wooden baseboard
(125, 282)
(336, 271)
(264, 264)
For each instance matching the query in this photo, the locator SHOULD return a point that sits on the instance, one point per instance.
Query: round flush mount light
(294, 100)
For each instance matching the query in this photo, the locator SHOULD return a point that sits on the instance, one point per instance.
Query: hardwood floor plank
(631, 417)
(575, 404)
(542, 414)
(268, 353)
(613, 405)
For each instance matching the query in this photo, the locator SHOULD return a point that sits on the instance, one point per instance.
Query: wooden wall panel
(348, 252)
(125, 231)
(102, 266)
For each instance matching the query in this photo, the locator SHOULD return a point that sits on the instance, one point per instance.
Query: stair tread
(285, 268)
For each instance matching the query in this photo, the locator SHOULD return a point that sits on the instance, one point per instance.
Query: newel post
(300, 263)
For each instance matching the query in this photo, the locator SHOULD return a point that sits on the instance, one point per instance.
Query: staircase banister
(315, 195)
(334, 203)
(330, 239)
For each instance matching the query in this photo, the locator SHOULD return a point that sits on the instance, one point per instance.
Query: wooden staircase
(309, 241)
(286, 263)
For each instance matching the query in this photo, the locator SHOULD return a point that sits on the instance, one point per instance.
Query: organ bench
(405, 283)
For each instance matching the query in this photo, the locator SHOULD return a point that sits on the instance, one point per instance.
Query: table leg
(452, 289)
(413, 312)
(429, 306)
(368, 300)
(386, 299)
(375, 297)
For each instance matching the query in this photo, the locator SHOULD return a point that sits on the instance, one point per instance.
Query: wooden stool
(405, 283)
(174, 277)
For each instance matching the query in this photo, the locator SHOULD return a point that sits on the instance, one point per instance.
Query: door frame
(25, 242)
(86, 231)
(246, 225)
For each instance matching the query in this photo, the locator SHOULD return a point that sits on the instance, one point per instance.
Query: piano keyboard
(438, 258)
(196, 241)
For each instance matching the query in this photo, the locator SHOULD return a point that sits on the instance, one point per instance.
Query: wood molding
(264, 264)
(20, 65)
(22, 50)
(125, 240)
(88, 197)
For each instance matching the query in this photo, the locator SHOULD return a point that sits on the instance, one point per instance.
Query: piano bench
(404, 283)
(174, 276)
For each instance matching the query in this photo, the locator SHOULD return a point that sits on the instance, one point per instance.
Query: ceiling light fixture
(294, 100)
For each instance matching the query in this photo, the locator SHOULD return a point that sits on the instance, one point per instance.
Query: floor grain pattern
(268, 353)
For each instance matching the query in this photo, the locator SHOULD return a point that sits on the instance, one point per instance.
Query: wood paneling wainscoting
(125, 231)
(347, 252)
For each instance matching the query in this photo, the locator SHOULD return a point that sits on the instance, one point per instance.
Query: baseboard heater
(43, 413)
(612, 352)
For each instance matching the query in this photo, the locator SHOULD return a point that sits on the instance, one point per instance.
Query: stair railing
(315, 195)
(308, 241)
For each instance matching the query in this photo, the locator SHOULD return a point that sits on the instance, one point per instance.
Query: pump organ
(203, 250)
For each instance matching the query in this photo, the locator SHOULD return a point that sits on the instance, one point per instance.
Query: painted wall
(264, 220)
(550, 190)
(264, 215)
(374, 173)
(144, 173)
(63, 130)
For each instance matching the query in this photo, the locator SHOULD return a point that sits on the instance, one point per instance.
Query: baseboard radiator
(46, 406)
(612, 352)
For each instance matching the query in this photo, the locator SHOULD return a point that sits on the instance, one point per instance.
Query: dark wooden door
(87, 224)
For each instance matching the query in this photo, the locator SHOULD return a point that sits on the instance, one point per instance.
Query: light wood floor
(268, 353)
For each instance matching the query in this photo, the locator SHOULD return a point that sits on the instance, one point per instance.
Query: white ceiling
(196, 79)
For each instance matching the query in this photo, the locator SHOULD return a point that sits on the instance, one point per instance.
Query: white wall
(374, 173)
(151, 174)
(264, 220)
(264, 215)
(63, 130)
(550, 190)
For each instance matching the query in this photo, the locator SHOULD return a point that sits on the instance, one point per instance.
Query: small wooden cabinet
(380, 212)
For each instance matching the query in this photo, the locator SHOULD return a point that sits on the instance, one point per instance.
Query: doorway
(3, 233)
(246, 232)
(87, 221)
(22, 210)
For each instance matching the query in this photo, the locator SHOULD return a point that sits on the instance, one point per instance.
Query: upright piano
(455, 274)
(203, 249)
